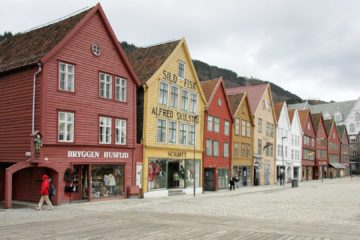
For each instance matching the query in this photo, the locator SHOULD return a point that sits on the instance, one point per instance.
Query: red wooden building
(321, 155)
(83, 108)
(336, 169)
(217, 136)
(345, 148)
(308, 146)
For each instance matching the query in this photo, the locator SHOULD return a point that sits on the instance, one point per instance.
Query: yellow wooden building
(170, 115)
(264, 156)
(242, 139)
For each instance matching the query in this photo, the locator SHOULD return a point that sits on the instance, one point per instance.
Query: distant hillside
(207, 72)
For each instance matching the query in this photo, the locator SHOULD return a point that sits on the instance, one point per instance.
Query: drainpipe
(34, 93)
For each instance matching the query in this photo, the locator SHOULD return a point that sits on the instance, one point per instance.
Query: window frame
(119, 96)
(184, 69)
(157, 130)
(119, 132)
(104, 81)
(171, 96)
(209, 127)
(160, 97)
(170, 130)
(66, 127)
(66, 74)
(209, 148)
(187, 100)
(105, 126)
(193, 108)
(216, 153)
(226, 150)
(226, 128)
(181, 132)
(217, 125)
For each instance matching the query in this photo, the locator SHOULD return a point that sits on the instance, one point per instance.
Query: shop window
(210, 123)
(223, 177)
(184, 100)
(174, 97)
(157, 174)
(120, 89)
(66, 76)
(105, 85)
(120, 131)
(172, 132)
(193, 102)
(216, 124)
(163, 93)
(105, 130)
(181, 72)
(161, 131)
(208, 147)
(226, 127)
(237, 126)
(216, 148)
(183, 128)
(66, 127)
(190, 176)
(107, 181)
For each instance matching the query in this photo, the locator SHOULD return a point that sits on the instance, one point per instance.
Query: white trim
(122, 84)
(178, 94)
(157, 125)
(167, 97)
(66, 123)
(66, 76)
(176, 132)
(181, 62)
(101, 140)
(120, 128)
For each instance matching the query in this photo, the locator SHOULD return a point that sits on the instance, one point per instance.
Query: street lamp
(282, 146)
(196, 117)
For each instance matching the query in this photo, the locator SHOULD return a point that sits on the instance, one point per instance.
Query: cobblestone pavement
(314, 210)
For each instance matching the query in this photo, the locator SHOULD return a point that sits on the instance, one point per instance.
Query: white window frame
(106, 82)
(248, 129)
(236, 150)
(105, 137)
(184, 104)
(183, 134)
(174, 104)
(67, 122)
(237, 126)
(192, 139)
(210, 123)
(172, 135)
(226, 150)
(163, 100)
(120, 131)
(163, 128)
(182, 76)
(120, 89)
(260, 125)
(216, 148)
(209, 147)
(69, 76)
(243, 128)
(226, 128)
(217, 124)
(193, 102)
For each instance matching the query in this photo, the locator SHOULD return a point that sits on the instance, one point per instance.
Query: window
(242, 150)
(193, 103)
(268, 129)
(259, 125)
(357, 116)
(248, 132)
(226, 150)
(172, 132)
(237, 127)
(208, 147)
(174, 96)
(352, 127)
(181, 73)
(259, 146)
(243, 128)
(226, 127)
(161, 131)
(66, 77)
(308, 126)
(105, 85)
(216, 124)
(272, 130)
(120, 131)
(216, 148)
(120, 89)
(105, 130)
(184, 100)
(236, 150)
(248, 151)
(191, 134)
(338, 117)
(292, 154)
(183, 128)
(243, 108)
(96, 50)
(312, 142)
(164, 93)
(272, 150)
(66, 127)
(352, 139)
(210, 123)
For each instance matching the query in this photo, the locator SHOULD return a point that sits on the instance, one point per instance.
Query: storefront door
(209, 179)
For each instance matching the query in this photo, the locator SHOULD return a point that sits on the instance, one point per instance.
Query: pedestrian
(232, 183)
(281, 176)
(51, 190)
(44, 192)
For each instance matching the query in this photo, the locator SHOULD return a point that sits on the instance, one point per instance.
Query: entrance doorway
(173, 174)
(209, 179)
(80, 182)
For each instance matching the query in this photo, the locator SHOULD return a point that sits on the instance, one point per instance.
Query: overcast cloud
(311, 48)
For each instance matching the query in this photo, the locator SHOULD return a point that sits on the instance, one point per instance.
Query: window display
(107, 181)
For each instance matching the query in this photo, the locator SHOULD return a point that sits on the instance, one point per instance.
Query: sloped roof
(208, 87)
(299, 106)
(255, 92)
(26, 49)
(147, 60)
(277, 108)
(316, 120)
(235, 101)
(328, 125)
(303, 115)
(341, 131)
(291, 114)
(343, 107)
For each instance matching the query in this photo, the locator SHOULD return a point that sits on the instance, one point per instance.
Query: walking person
(281, 176)
(44, 192)
(232, 183)
(51, 190)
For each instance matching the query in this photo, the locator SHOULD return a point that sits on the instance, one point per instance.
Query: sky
(310, 48)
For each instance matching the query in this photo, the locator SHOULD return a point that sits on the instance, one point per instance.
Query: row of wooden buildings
(105, 124)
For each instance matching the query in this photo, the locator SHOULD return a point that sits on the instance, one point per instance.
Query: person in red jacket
(44, 192)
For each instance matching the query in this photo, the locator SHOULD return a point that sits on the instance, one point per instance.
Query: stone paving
(314, 210)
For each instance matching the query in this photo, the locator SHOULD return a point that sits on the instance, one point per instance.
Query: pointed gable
(255, 92)
(291, 113)
(341, 132)
(208, 87)
(302, 116)
(235, 101)
(316, 120)
(147, 60)
(26, 49)
(277, 108)
(328, 126)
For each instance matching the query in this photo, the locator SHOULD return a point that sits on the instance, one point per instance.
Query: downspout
(34, 93)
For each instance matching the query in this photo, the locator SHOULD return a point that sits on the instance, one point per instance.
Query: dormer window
(181, 73)
(338, 117)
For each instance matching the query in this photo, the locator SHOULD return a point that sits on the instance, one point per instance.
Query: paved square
(314, 210)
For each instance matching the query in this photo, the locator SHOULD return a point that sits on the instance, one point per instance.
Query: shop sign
(176, 154)
(162, 112)
(171, 77)
(93, 154)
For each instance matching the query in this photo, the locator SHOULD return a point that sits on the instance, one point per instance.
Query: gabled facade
(321, 153)
(262, 108)
(83, 113)
(242, 139)
(308, 145)
(345, 148)
(217, 136)
(171, 108)
(296, 135)
(336, 169)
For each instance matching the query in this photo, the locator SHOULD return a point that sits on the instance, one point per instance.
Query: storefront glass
(223, 178)
(190, 173)
(157, 174)
(107, 181)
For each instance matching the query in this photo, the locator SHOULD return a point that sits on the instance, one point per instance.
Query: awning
(337, 165)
